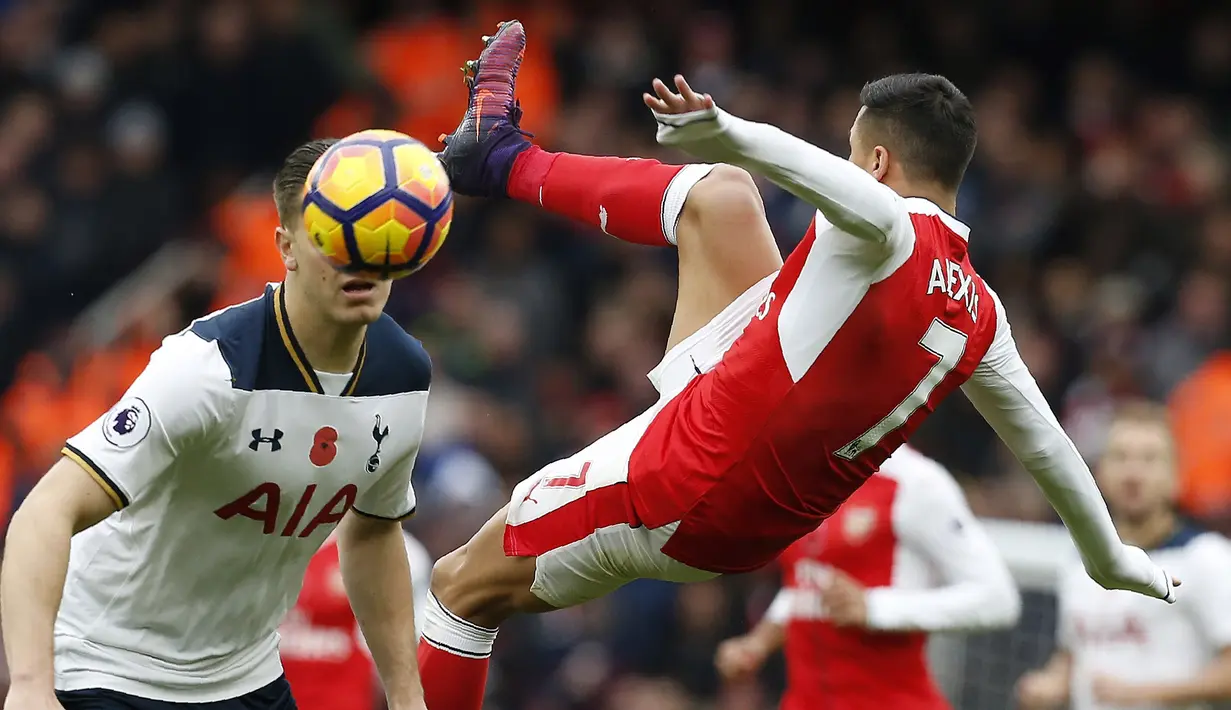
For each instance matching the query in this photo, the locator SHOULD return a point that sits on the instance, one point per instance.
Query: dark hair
(927, 121)
(293, 175)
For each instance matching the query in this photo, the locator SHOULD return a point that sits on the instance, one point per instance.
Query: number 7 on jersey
(948, 345)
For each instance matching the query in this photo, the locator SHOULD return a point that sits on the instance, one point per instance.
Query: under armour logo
(275, 441)
(379, 435)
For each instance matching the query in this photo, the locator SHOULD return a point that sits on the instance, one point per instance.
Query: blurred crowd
(1099, 199)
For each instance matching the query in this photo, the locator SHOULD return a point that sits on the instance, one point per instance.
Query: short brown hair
(291, 177)
(1146, 413)
(1142, 411)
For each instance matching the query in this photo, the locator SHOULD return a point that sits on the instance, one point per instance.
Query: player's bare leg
(714, 214)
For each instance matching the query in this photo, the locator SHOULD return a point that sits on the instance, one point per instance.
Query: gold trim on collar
(349, 389)
(291, 344)
(300, 358)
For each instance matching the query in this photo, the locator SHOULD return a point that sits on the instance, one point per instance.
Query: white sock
(449, 632)
(677, 194)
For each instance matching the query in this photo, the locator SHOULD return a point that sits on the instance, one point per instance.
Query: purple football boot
(479, 154)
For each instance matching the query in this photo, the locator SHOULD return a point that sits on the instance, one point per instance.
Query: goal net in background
(978, 671)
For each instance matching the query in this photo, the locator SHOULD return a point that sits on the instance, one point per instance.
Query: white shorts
(576, 515)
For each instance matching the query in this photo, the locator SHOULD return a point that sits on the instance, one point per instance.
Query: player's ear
(880, 163)
(282, 237)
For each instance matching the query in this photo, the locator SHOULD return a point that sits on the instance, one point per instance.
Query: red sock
(450, 680)
(453, 658)
(626, 198)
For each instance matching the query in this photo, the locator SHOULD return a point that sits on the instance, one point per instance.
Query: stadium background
(137, 139)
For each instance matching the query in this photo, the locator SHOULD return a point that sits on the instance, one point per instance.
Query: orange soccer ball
(378, 202)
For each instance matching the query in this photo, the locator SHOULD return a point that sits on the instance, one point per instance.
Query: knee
(449, 582)
(727, 193)
(483, 591)
(723, 231)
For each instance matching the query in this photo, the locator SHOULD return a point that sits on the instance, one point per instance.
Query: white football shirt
(230, 467)
(1141, 640)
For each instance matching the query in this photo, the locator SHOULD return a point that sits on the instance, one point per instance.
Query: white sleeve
(172, 406)
(976, 591)
(392, 496)
(850, 198)
(1006, 395)
(1209, 595)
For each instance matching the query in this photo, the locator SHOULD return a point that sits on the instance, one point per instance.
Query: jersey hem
(97, 680)
(96, 472)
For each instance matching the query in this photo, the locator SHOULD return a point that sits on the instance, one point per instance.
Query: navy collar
(1185, 532)
(291, 345)
(262, 352)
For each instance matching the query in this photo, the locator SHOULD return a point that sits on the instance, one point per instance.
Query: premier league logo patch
(128, 423)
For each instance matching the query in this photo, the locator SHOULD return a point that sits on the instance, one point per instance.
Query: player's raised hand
(682, 100)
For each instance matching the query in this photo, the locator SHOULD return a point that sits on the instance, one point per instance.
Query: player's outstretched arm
(977, 591)
(66, 501)
(1003, 391)
(849, 198)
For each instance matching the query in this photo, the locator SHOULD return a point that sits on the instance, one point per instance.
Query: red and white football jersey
(908, 536)
(856, 343)
(323, 652)
(874, 318)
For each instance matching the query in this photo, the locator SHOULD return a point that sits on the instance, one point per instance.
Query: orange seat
(1204, 449)
(419, 62)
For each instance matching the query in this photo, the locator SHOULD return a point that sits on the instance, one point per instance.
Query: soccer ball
(378, 202)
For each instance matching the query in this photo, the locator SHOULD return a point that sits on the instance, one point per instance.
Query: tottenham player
(1118, 650)
(158, 556)
(784, 386)
(902, 557)
(323, 651)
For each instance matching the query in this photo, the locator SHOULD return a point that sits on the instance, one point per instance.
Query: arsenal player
(903, 557)
(784, 386)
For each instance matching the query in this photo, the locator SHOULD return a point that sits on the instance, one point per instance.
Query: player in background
(901, 558)
(1118, 650)
(784, 386)
(151, 566)
(324, 655)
